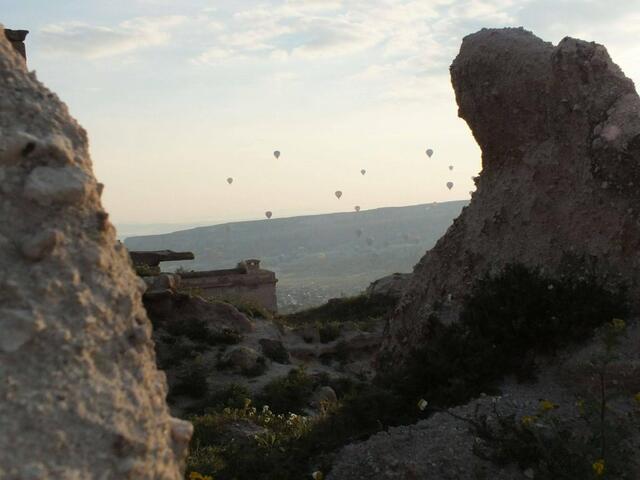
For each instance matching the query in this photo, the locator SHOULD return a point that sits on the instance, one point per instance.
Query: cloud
(93, 41)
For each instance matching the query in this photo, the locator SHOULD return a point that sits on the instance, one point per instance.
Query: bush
(505, 322)
(191, 380)
(290, 393)
(231, 396)
(329, 332)
(593, 445)
(341, 310)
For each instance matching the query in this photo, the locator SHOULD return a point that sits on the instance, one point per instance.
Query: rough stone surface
(242, 358)
(80, 394)
(559, 129)
(392, 285)
(441, 447)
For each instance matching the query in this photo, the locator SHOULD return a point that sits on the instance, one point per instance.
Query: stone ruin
(80, 394)
(247, 282)
(559, 129)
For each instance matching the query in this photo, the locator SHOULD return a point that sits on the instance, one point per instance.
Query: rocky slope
(207, 346)
(445, 447)
(559, 128)
(80, 394)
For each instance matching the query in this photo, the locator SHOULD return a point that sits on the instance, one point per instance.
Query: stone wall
(247, 282)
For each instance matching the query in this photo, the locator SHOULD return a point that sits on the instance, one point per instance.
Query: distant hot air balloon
(363, 171)
(357, 208)
(268, 214)
(450, 167)
(359, 232)
(369, 241)
(429, 152)
(276, 154)
(449, 185)
(229, 180)
(338, 194)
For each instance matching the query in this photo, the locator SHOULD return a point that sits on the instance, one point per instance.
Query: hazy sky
(179, 95)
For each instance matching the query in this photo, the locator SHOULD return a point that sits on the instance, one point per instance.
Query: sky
(179, 95)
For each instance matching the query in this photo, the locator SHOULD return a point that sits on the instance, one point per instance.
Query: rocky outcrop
(391, 286)
(80, 394)
(559, 129)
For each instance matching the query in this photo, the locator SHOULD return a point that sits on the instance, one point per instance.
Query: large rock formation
(80, 394)
(559, 129)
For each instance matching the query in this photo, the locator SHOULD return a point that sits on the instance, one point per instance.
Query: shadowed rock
(559, 129)
(153, 258)
(80, 394)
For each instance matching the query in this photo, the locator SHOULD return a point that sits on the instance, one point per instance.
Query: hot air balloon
(229, 180)
(450, 167)
(338, 194)
(359, 232)
(449, 185)
(363, 171)
(357, 208)
(429, 152)
(276, 154)
(369, 241)
(268, 214)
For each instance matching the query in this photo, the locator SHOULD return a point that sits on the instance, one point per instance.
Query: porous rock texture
(559, 129)
(80, 394)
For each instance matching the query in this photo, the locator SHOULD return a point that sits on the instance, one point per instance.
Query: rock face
(80, 395)
(559, 129)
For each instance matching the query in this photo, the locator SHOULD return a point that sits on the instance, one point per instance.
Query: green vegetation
(249, 308)
(329, 332)
(342, 310)
(556, 447)
(506, 322)
(144, 270)
(288, 394)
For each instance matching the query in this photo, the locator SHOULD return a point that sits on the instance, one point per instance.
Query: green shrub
(226, 336)
(341, 310)
(191, 380)
(290, 393)
(595, 444)
(258, 369)
(329, 332)
(505, 322)
(230, 396)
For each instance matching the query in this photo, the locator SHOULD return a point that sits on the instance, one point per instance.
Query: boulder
(559, 129)
(392, 285)
(80, 393)
(323, 397)
(242, 359)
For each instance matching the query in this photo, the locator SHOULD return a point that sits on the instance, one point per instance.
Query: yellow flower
(199, 476)
(598, 467)
(528, 420)
(317, 475)
(546, 405)
(618, 324)
(422, 404)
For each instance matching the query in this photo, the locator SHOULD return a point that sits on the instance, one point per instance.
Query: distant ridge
(330, 253)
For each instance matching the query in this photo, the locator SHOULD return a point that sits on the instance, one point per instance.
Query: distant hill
(316, 257)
